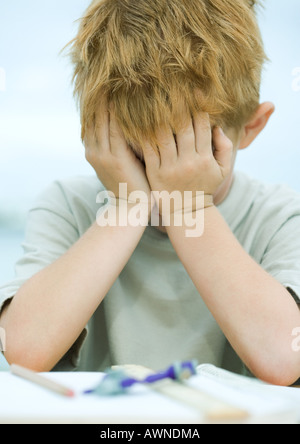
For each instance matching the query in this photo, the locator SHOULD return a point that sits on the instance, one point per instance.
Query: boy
(168, 92)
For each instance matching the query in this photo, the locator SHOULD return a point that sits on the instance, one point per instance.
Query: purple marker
(116, 382)
(178, 372)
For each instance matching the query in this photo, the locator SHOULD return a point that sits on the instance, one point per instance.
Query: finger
(223, 148)
(89, 136)
(101, 129)
(167, 146)
(118, 144)
(203, 133)
(151, 157)
(90, 142)
(186, 139)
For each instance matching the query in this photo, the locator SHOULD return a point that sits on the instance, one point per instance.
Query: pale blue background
(39, 124)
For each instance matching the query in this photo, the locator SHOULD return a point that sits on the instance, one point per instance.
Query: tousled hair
(158, 61)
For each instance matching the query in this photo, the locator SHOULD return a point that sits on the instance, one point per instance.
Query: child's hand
(112, 158)
(189, 163)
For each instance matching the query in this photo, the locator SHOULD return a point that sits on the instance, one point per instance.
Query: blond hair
(156, 61)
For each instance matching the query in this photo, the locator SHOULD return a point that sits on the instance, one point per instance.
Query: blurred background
(39, 122)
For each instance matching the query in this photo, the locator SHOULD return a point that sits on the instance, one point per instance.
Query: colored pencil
(40, 380)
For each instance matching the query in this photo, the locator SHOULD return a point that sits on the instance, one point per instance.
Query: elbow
(281, 372)
(35, 364)
(284, 379)
(24, 347)
(35, 360)
(22, 350)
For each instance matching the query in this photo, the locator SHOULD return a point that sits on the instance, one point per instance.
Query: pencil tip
(70, 393)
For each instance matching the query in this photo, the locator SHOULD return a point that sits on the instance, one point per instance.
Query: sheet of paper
(22, 401)
(260, 399)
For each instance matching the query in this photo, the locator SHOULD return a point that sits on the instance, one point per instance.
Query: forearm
(50, 311)
(255, 312)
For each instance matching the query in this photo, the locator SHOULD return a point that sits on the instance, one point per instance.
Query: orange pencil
(40, 380)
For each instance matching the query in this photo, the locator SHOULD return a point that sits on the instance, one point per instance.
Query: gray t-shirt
(153, 314)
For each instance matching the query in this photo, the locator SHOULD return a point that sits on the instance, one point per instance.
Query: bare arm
(50, 311)
(255, 312)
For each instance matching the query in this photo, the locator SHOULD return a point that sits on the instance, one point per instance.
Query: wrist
(191, 221)
(124, 212)
(193, 204)
(180, 204)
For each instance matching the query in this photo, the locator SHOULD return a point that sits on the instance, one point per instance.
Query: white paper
(24, 402)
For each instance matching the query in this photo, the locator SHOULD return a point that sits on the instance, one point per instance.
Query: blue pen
(117, 382)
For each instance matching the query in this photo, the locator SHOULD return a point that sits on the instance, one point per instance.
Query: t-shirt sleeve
(282, 256)
(50, 232)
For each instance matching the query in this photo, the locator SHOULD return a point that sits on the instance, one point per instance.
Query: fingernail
(221, 131)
